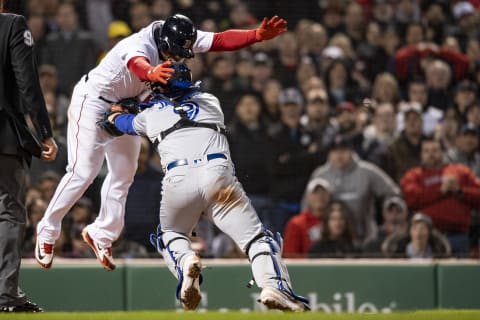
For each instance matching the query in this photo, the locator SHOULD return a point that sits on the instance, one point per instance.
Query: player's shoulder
(205, 97)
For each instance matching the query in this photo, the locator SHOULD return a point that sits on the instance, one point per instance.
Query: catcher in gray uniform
(187, 127)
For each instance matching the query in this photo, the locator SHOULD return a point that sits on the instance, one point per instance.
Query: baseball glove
(127, 105)
(107, 122)
(124, 106)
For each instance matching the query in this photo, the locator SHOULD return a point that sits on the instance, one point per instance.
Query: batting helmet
(176, 37)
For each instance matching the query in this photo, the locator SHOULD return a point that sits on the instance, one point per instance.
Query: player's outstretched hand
(270, 28)
(161, 72)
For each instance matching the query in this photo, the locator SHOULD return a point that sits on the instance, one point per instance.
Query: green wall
(349, 287)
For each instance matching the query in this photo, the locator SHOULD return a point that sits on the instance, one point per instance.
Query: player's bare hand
(161, 72)
(270, 28)
(50, 149)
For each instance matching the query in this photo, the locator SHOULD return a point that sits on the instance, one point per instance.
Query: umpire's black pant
(12, 228)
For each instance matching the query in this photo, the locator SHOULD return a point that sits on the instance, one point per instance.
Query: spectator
(438, 77)
(305, 228)
(473, 114)
(465, 21)
(465, 95)
(421, 241)
(337, 235)
(418, 94)
(47, 184)
(395, 220)
(285, 66)
(339, 83)
(358, 184)
(316, 119)
(354, 22)
(261, 72)
(446, 192)
(404, 152)
(117, 30)
(371, 55)
(466, 149)
(71, 50)
(346, 119)
(250, 148)
(139, 15)
(294, 156)
(379, 134)
(222, 82)
(385, 89)
(270, 94)
(446, 131)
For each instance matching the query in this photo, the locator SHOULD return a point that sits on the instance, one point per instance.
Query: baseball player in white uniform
(188, 130)
(143, 56)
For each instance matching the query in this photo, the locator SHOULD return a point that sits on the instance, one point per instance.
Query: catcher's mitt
(107, 122)
(128, 105)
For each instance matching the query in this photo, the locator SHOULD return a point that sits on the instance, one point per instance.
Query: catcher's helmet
(179, 84)
(176, 37)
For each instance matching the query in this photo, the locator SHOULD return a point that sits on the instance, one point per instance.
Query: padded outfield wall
(331, 286)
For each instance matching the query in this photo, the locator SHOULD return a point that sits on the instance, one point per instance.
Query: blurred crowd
(355, 134)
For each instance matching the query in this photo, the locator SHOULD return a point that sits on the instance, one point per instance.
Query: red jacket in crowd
(300, 232)
(449, 212)
(407, 61)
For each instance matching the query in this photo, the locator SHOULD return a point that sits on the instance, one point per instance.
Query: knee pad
(268, 268)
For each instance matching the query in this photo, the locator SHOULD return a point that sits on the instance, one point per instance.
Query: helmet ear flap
(163, 46)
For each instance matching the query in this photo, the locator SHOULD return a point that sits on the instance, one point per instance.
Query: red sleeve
(139, 66)
(470, 188)
(233, 39)
(291, 242)
(415, 194)
(406, 61)
(459, 61)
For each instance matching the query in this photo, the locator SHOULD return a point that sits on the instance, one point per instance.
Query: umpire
(20, 95)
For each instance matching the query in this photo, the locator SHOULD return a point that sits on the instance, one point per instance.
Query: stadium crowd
(355, 134)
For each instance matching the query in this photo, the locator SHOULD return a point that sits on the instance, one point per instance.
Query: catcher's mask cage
(176, 37)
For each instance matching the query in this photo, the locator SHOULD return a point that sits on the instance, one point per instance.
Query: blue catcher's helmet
(176, 37)
(179, 84)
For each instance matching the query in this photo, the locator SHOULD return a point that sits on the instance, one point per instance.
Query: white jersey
(112, 80)
(183, 143)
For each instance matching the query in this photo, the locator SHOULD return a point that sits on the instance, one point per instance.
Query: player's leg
(233, 213)
(180, 210)
(85, 157)
(122, 158)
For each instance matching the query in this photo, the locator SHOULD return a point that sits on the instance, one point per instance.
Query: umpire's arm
(26, 76)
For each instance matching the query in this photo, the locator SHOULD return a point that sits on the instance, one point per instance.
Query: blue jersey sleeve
(124, 123)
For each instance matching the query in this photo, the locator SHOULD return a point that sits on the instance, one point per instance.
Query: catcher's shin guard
(268, 268)
(177, 253)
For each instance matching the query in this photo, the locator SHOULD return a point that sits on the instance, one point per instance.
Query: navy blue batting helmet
(176, 37)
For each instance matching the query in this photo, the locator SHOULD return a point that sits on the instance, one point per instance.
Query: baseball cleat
(274, 298)
(190, 294)
(104, 255)
(44, 253)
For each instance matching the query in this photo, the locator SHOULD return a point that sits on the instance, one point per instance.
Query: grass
(236, 315)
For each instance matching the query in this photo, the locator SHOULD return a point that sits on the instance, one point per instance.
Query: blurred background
(355, 134)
